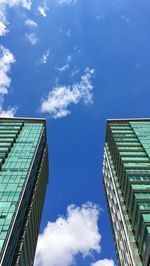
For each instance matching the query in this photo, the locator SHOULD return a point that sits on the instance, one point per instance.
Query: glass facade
(22, 149)
(127, 154)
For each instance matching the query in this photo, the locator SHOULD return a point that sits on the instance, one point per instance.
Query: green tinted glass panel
(14, 172)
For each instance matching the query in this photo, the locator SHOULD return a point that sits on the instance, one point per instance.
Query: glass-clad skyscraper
(23, 180)
(126, 171)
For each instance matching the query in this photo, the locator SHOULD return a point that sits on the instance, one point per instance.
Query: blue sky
(76, 63)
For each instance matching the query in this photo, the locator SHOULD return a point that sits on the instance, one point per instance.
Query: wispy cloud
(125, 18)
(75, 72)
(66, 65)
(104, 262)
(68, 33)
(6, 60)
(3, 12)
(138, 66)
(66, 1)
(44, 57)
(60, 98)
(31, 23)
(77, 49)
(43, 9)
(32, 38)
(62, 238)
(100, 17)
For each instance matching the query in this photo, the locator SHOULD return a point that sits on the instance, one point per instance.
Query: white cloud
(66, 1)
(10, 112)
(3, 14)
(42, 11)
(66, 65)
(60, 98)
(68, 236)
(6, 59)
(44, 57)
(32, 38)
(31, 23)
(104, 262)
(26, 4)
(3, 28)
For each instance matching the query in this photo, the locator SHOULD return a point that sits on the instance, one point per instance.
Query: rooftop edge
(23, 119)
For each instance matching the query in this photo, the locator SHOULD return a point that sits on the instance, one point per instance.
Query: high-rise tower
(23, 180)
(126, 171)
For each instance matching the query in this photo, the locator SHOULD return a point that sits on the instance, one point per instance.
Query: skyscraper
(23, 180)
(126, 171)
